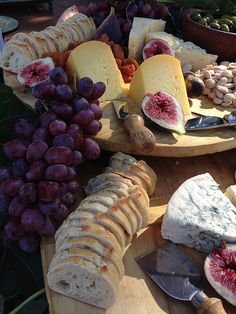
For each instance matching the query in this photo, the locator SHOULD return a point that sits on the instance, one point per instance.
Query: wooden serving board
(138, 294)
(113, 137)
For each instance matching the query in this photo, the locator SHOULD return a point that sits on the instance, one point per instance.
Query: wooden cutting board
(138, 294)
(113, 138)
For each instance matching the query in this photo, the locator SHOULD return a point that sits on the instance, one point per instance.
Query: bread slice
(82, 23)
(123, 205)
(131, 206)
(39, 43)
(104, 197)
(49, 41)
(118, 187)
(88, 229)
(85, 281)
(104, 220)
(141, 200)
(135, 179)
(115, 213)
(96, 247)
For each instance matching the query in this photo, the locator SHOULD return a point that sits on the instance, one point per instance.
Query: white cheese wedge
(186, 52)
(199, 215)
(140, 28)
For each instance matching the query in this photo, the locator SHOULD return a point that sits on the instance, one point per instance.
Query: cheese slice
(140, 28)
(95, 59)
(160, 73)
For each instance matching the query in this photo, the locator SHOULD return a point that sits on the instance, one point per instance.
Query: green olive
(229, 17)
(224, 27)
(215, 21)
(195, 16)
(215, 25)
(225, 21)
(209, 17)
(202, 21)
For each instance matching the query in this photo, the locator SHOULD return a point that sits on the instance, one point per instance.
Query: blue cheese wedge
(199, 215)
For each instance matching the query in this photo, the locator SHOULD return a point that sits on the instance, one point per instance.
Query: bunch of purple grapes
(125, 10)
(39, 190)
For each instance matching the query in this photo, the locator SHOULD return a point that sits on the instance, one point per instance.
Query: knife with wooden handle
(141, 137)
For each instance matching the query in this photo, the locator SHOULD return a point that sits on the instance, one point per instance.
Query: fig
(194, 85)
(220, 271)
(35, 72)
(164, 110)
(111, 27)
(157, 47)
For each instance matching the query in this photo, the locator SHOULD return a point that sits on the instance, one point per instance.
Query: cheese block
(140, 28)
(95, 59)
(199, 215)
(186, 52)
(160, 73)
(231, 194)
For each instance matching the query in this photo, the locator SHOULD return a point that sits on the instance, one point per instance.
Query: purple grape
(64, 140)
(162, 11)
(4, 202)
(80, 104)
(46, 118)
(71, 173)
(103, 5)
(132, 10)
(27, 193)
(96, 110)
(57, 127)
(47, 208)
(36, 150)
(48, 228)
(63, 110)
(44, 90)
(58, 76)
(57, 173)
(85, 87)
(84, 10)
(83, 117)
(24, 128)
(93, 127)
(127, 27)
(29, 242)
(36, 171)
(48, 191)
(61, 213)
(5, 173)
(98, 90)
(10, 187)
(19, 167)
(92, 6)
(40, 134)
(63, 188)
(90, 149)
(73, 187)
(64, 92)
(77, 158)
(59, 155)
(14, 149)
(13, 229)
(39, 106)
(31, 219)
(16, 207)
(68, 199)
(152, 15)
(75, 131)
(146, 9)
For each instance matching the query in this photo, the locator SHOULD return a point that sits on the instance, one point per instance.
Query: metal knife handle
(140, 136)
(207, 305)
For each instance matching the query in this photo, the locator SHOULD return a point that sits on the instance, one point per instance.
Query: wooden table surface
(138, 294)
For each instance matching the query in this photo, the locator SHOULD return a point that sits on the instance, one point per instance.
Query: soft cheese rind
(199, 215)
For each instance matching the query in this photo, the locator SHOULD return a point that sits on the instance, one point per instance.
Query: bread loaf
(24, 48)
(95, 234)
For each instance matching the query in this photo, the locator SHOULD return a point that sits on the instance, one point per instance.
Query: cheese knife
(211, 122)
(141, 137)
(170, 269)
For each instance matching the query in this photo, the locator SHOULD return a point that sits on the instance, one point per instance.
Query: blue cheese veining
(199, 215)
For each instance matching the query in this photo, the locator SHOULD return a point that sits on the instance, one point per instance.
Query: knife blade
(141, 137)
(211, 122)
(175, 274)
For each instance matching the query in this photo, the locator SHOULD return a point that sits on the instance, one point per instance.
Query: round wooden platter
(113, 137)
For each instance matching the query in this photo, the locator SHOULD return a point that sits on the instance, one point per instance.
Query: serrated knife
(175, 274)
(141, 137)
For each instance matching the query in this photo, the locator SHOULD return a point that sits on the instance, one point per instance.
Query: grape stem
(27, 301)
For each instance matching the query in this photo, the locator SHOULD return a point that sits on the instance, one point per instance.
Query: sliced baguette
(96, 247)
(84, 281)
(119, 188)
(141, 201)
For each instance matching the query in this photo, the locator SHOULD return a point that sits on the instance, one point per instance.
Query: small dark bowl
(214, 41)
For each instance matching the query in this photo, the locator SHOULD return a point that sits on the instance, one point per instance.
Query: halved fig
(157, 47)
(164, 110)
(220, 271)
(35, 72)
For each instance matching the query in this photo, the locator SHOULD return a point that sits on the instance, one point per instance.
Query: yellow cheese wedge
(160, 73)
(95, 59)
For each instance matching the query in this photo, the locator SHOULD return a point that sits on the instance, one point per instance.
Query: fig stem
(126, 10)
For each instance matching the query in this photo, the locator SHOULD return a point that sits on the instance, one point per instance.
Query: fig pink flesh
(160, 107)
(156, 47)
(36, 73)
